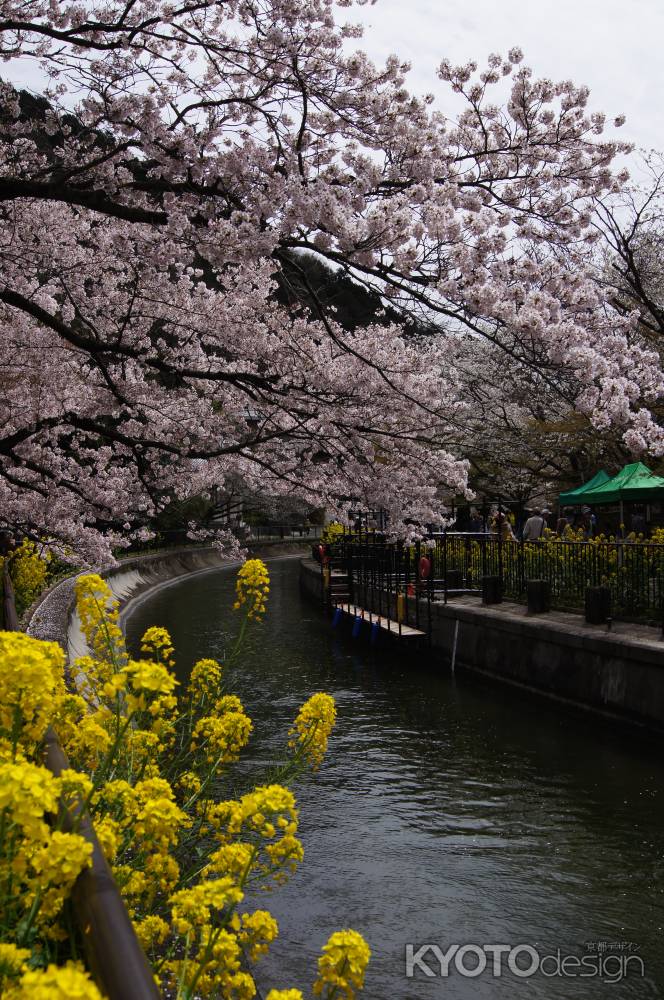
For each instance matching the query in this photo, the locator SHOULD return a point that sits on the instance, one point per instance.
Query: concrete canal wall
(620, 673)
(54, 615)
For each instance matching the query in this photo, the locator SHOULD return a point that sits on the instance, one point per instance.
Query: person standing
(476, 525)
(503, 527)
(534, 527)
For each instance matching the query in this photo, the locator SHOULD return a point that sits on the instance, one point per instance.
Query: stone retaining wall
(619, 673)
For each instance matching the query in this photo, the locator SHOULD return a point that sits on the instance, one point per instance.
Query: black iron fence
(256, 532)
(633, 572)
(456, 563)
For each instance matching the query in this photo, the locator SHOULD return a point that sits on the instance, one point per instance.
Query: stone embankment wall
(620, 673)
(54, 616)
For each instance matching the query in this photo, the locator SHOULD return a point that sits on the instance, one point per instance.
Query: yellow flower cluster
(156, 642)
(222, 737)
(234, 861)
(332, 532)
(312, 728)
(38, 865)
(152, 931)
(68, 982)
(29, 791)
(204, 916)
(157, 820)
(342, 965)
(266, 820)
(148, 766)
(12, 961)
(252, 587)
(90, 742)
(31, 686)
(205, 681)
(197, 907)
(99, 613)
(256, 932)
(28, 568)
(149, 687)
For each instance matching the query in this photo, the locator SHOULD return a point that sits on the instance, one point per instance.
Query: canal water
(448, 811)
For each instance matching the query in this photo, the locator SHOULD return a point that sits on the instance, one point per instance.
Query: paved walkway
(627, 632)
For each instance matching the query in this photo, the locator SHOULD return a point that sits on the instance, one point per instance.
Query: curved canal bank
(448, 811)
(53, 616)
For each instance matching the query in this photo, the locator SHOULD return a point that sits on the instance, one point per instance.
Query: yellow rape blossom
(342, 965)
(157, 820)
(149, 677)
(214, 969)
(268, 815)
(157, 643)
(127, 734)
(163, 871)
(62, 858)
(133, 884)
(68, 982)
(89, 741)
(12, 961)
(151, 931)
(222, 738)
(98, 610)
(75, 787)
(108, 835)
(198, 906)
(312, 728)
(28, 791)
(29, 570)
(150, 687)
(257, 931)
(31, 685)
(229, 703)
(233, 860)
(256, 811)
(252, 587)
(189, 783)
(69, 711)
(205, 680)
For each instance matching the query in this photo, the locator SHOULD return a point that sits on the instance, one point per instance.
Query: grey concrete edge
(53, 617)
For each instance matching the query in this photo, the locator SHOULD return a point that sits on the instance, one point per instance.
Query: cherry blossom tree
(185, 154)
(630, 269)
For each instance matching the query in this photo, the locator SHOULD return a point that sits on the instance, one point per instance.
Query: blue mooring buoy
(336, 618)
(357, 625)
(375, 628)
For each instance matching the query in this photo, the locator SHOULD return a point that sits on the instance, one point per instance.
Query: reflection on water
(446, 812)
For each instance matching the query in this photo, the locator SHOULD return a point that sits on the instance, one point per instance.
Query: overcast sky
(613, 46)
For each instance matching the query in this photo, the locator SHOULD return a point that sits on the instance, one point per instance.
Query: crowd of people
(535, 524)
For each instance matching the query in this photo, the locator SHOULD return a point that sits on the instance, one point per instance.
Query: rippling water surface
(448, 811)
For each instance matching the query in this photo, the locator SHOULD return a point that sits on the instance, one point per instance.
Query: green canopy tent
(571, 497)
(635, 483)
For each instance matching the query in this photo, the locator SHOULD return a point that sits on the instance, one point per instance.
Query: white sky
(613, 46)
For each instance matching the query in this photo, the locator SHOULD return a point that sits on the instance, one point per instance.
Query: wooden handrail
(114, 953)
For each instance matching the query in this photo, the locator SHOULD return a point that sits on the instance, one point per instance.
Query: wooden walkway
(388, 624)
